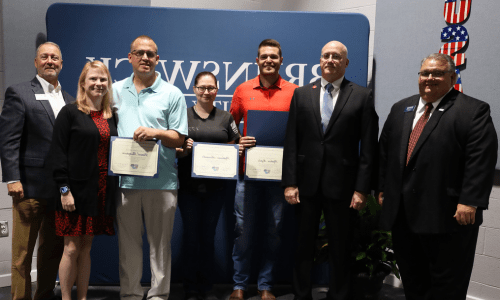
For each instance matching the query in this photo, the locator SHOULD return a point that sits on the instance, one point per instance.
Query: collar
(277, 84)
(336, 84)
(129, 84)
(47, 87)
(422, 102)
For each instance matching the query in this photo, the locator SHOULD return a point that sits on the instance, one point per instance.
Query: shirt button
(414, 191)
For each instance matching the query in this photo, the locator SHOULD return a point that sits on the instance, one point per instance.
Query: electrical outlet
(4, 228)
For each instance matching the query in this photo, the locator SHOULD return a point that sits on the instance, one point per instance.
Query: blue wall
(194, 40)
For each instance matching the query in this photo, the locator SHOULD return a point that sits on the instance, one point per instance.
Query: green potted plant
(373, 258)
(372, 255)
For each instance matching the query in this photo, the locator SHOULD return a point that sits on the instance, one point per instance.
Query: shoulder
(70, 108)
(117, 86)
(355, 87)
(287, 84)
(406, 102)
(219, 113)
(169, 89)
(308, 87)
(247, 85)
(67, 96)
(25, 87)
(470, 102)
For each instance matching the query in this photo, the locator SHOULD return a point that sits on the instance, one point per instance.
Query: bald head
(333, 61)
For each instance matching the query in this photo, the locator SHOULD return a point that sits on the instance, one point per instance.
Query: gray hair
(47, 43)
(443, 58)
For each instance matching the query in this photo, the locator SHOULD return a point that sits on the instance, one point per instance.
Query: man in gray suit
(26, 124)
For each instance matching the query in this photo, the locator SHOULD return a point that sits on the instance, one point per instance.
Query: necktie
(415, 134)
(327, 110)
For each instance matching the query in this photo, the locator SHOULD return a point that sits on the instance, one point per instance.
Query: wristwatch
(64, 189)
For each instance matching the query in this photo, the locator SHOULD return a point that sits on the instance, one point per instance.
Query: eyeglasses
(333, 56)
(435, 74)
(140, 53)
(210, 89)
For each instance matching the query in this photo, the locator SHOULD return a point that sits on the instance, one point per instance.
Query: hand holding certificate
(264, 163)
(128, 157)
(215, 160)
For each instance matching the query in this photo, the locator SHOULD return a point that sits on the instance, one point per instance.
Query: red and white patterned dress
(71, 224)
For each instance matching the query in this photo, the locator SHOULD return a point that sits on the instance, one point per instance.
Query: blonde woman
(80, 148)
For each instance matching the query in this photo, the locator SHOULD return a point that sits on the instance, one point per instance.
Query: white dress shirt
(421, 108)
(54, 95)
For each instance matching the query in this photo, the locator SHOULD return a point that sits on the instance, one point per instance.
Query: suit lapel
(37, 89)
(407, 128)
(315, 94)
(444, 105)
(67, 98)
(344, 93)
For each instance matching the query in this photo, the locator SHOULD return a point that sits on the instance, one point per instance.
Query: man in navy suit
(329, 157)
(26, 124)
(438, 151)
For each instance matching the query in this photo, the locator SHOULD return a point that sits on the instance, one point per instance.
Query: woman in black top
(200, 199)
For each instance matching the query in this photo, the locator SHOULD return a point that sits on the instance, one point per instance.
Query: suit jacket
(26, 133)
(453, 162)
(343, 157)
(74, 158)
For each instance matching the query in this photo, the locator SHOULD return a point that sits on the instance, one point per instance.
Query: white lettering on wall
(177, 68)
(243, 68)
(314, 71)
(300, 77)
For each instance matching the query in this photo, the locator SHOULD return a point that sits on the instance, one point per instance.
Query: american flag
(458, 84)
(450, 14)
(458, 37)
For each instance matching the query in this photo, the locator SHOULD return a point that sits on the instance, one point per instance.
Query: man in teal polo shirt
(148, 108)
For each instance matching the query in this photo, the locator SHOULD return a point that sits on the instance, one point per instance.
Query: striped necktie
(327, 110)
(415, 134)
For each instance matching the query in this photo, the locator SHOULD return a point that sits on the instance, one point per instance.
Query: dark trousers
(30, 218)
(338, 219)
(434, 266)
(200, 213)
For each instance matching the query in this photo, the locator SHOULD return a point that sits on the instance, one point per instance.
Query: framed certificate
(263, 163)
(128, 157)
(217, 161)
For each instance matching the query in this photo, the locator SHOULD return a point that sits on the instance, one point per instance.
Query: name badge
(41, 97)
(410, 108)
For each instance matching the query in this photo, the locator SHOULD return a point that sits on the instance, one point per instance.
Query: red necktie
(415, 134)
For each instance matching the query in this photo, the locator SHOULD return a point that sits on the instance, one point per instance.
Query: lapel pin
(441, 109)
(314, 86)
(409, 108)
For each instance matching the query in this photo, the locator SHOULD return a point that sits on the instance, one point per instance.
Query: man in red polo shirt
(259, 201)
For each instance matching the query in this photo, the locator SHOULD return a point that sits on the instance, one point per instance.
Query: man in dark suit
(438, 152)
(26, 123)
(329, 156)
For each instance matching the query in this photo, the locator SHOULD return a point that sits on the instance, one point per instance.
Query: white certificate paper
(215, 160)
(128, 157)
(264, 163)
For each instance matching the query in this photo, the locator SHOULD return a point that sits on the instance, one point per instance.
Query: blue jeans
(200, 213)
(256, 201)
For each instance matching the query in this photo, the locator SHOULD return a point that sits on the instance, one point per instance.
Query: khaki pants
(156, 208)
(29, 219)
